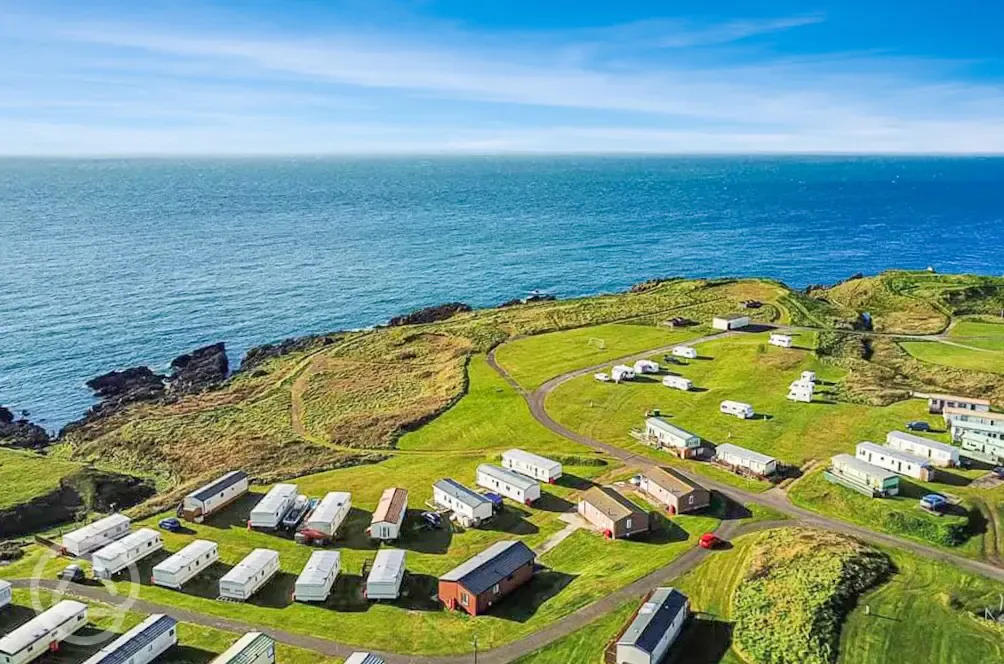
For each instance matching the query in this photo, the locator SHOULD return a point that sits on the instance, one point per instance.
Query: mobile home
(43, 633)
(983, 448)
(801, 392)
(6, 594)
(646, 367)
(318, 576)
(730, 322)
(895, 460)
(268, 513)
(936, 403)
(252, 648)
(939, 454)
(389, 515)
(132, 548)
(386, 575)
(213, 497)
(862, 476)
(186, 564)
(512, 485)
(621, 372)
(808, 377)
(664, 434)
(468, 507)
(780, 340)
(686, 352)
(960, 428)
(249, 575)
(740, 457)
(329, 514)
(538, 467)
(365, 658)
(612, 514)
(980, 417)
(96, 535)
(654, 629)
(678, 383)
(140, 645)
(675, 491)
(476, 585)
(743, 411)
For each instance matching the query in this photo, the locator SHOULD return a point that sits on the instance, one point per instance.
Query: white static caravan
(733, 455)
(505, 482)
(895, 460)
(532, 465)
(6, 595)
(686, 352)
(936, 403)
(743, 411)
(43, 633)
(249, 575)
(780, 340)
(646, 367)
(654, 629)
(132, 548)
(960, 429)
(986, 417)
(808, 377)
(252, 648)
(665, 434)
(96, 535)
(678, 383)
(329, 514)
(940, 454)
(318, 576)
(140, 645)
(389, 514)
(365, 658)
(186, 564)
(269, 511)
(730, 322)
(214, 496)
(622, 372)
(801, 391)
(468, 507)
(384, 580)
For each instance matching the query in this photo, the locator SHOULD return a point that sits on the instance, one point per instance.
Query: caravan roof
(892, 453)
(454, 488)
(253, 563)
(319, 566)
(122, 649)
(28, 633)
(863, 467)
(275, 497)
(521, 482)
(387, 566)
(99, 526)
(926, 442)
(223, 483)
(653, 619)
(672, 429)
(330, 506)
(122, 546)
(190, 553)
(742, 452)
(532, 459)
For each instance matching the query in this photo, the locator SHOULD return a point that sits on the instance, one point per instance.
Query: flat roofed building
(532, 465)
(665, 434)
(140, 645)
(892, 459)
(675, 491)
(730, 322)
(612, 514)
(863, 477)
(940, 454)
(477, 584)
(654, 629)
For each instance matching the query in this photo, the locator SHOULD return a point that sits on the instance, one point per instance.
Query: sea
(107, 263)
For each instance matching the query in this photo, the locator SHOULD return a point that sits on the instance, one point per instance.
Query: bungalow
(663, 434)
(965, 415)
(655, 627)
(780, 340)
(939, 454)
(621, 372)
(476, 585)
(936, 403)
(532, 465)
(611, 513)
(646, 367)
(862, 476)
(730, 322)
(676, 492)
(686, 352)
(389, 514)
(895, 460)
(740, 457)
(678, 382)
(512, 485)
(468, 507)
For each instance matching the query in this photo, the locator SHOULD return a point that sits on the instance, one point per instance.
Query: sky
(263, 77)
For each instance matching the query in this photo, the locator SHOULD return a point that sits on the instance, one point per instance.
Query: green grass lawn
(586, 645)
(979, 334)
(954, 356)
(26, 475)
(533, 360)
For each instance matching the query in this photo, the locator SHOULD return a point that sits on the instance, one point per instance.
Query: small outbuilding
(96, 535)
(936, 403)
(211, 498)
(676, 492)
(743, 411)
(476, 585)
(646, 367)
(386, 575)
(469, 507)
(249, 575)
(678, 383)
(330, 513)
(939, 454)
(730, 322)
(780, 340)
(742, 458)
(898, 462)
(686, 352)
(622, 372)
(252, 648)
(863, 477)
(663, 434)
(654, 629)
(140, 645)
(612, 514)
(318, 576)
(389, 515)
(185, 564)
(268, 513)
(532, 465)
(112, 559)
(43, 633)
(505, 482)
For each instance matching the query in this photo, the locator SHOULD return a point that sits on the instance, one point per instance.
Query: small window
(496, 589)
(629, 524)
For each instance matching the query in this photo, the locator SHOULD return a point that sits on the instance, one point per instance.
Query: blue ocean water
(109, 263)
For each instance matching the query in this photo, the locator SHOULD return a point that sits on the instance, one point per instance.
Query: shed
(365, 658)
(780, 340)
(214, 496)
(665, 434)
(686, 352)
(863, 477)
(532, 465)
(386, 575)
(6, 595)
(743, 411)
(252, 648)
(622, 372)
(318, 576)
(678, 382)
(676, 492)
(939, 454)
(329, 514)
(476, 585)
(249, 575)
(185, 564)
(895, 460)
(936, 403)
(140, 645)
(730, 322)
(612, 514)
(740, 457)
(132, 548)
(654, 629)
(269, 511)
(469, 507)
(646, 367)
(40, 634)
(512, 485)
(389, 514)
(96, 535)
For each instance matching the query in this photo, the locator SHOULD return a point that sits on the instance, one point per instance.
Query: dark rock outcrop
(260, 354)
(199, 370)
(133, 384)
(21, 433)
(430, 314)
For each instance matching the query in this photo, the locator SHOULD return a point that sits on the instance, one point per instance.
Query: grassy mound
(798, 588)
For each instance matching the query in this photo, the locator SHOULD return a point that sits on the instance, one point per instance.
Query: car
(918, 425)
(495, 499)
(296, 513)
(934, 502)
(170, 524)
(602, 377)
(432, 520)
(636, 480)
(311, 537)
(998, 472)
(74, 573)
(710, 541)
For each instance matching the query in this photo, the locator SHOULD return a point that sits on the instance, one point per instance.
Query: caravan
(115, 557)
(329, 514)
(43, 634)
(268, 513)
(386, 575)
(96, 535)
(213, 497)
(250, 574)
(318, 576)
(743, 411)
(186, 564)
(142, 644)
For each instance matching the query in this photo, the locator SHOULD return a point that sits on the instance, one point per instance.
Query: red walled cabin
(479, 583)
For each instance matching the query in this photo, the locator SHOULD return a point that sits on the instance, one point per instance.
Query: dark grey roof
(654, 618)
(219, 485)
(452, 487)
(491, 566)
(127, 645)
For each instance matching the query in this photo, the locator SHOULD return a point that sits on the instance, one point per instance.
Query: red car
(710, 541)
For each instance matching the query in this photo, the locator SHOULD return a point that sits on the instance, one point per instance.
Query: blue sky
(469, 76)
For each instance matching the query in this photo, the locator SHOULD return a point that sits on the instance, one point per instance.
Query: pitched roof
(387, 565)
(611, 503)
(215, 487)
(670, 481)
(393, 503)
(491, 566)
(318, 567)
(653, 619)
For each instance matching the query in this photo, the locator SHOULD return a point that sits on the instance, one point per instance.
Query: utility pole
(474, 640)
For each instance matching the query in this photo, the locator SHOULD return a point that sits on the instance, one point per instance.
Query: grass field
(954, 356)
(586, 645)
(25, 475)
(979, 334)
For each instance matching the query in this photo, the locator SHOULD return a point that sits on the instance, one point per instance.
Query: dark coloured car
(170, 524)
(296, 513)
(918, 425)
(934, 502)
(998, 472)
(432, 520)
(74, 573)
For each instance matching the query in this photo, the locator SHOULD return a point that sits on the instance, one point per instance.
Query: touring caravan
(678, 383)
(252, 648)
(646, 367)
(142, 644)
(622, 372)
(780, 340)
(268, 513)
(318, 576)
(132, 548)
(329, 514)
(213, 497)
(43, 633)
(686, 352)
(249, 575)
(186, 564)
(386, 575)
(743, 411)
(96, 535)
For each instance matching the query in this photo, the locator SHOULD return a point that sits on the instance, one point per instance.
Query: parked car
(296, 513)
(710, 541)
(311, 537)
(998, 472)
(496, 500)
(170, 524)
(602, 377)
(636, 480)
(432, 520)
(918, 425)
(934, 502)
(74, 573)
